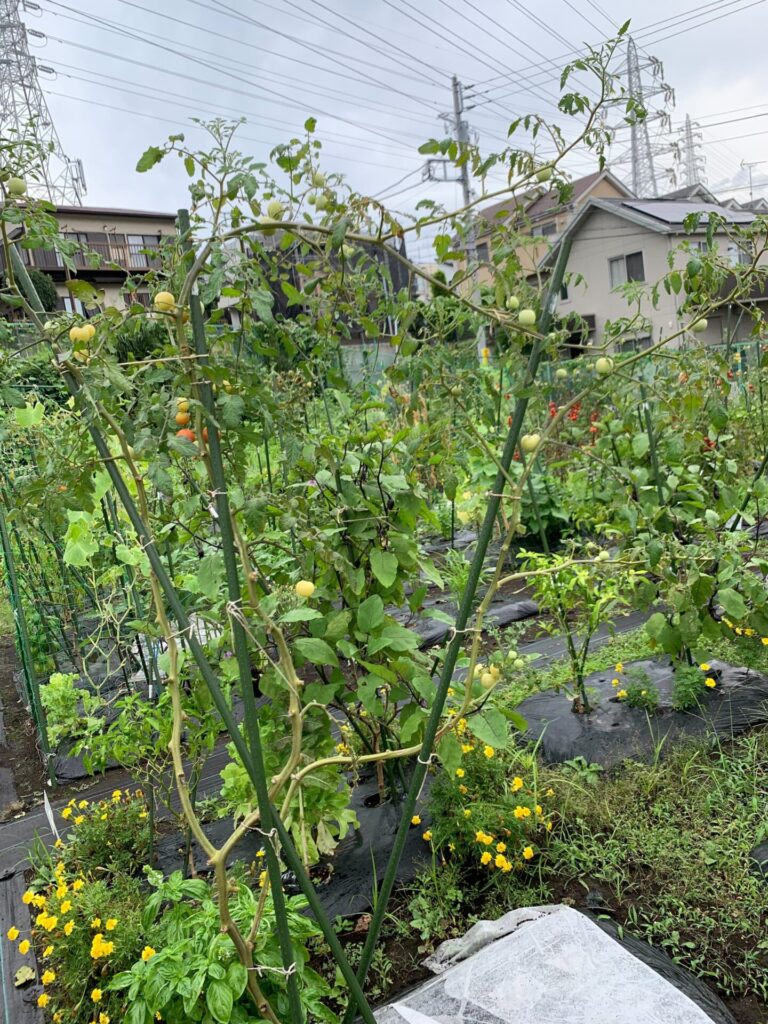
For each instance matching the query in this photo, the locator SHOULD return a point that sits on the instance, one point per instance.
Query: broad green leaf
(301, 615)
(80, 544)
(449, 752)
(640, 445)
(316, 651)
(384, 567)
(30, 415)
(219, 1000)
(149, 158)
(732, 602)
(370, 614)
(490, 727)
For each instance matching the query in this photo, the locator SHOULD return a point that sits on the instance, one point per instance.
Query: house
(615, 241)
(539, 213)
(125, 242)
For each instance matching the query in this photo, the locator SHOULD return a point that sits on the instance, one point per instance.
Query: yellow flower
(460, 773)
(263, 879)
(67, 812)
(147, 953)
(501, 847)
(59, 871)
(59, 845)
(485, 858)
(111, 924)
(69, 927)
(517, 783)
(96, 995)
(260, 853)
(614, 682)
(710, 682)
(66, 906)
(13, 933)
(79, 819)
(549, 826)
(550, 792)
(96, 922)
(488, 751)
(749, 632)
(621, 694)
(41, 917)
(47, 951)
(467, 748)
(117, 794)
(415, 820)
(705, 666)
(522, 812)
(43, 999)
(77, 885)
(58, 1017)
(103, 817)
(100, 948)
(143, 814)
(50, 923)
(461, 725)
(539, 809)
(38, 901)
(27, 897)
(62, 890)
(71, 802)
(528, 853)
(467, 812)
(427, 837)
(24, 947)
(83, 804)
(500, 860)
(619, 666)
(104, 1018)
(451, 691)
(463, 789)
(48, 977)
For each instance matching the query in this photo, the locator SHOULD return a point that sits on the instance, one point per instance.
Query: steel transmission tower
(644, 83)
(23, 111)
(692, 160)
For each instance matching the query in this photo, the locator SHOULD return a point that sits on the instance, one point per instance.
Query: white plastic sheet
(541, 965)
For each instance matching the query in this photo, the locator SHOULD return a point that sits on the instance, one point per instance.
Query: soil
(21, 753)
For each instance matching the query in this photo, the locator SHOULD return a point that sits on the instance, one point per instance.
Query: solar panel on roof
(675, 211)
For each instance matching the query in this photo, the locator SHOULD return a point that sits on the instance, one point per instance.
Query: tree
(46, 289)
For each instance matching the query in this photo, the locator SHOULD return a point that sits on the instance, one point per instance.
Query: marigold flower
(500, 860)
(710, 682)
(27, 897)
(501, 847)
(488, 751)
(77, 885)
(485, 858)
(116, 794)
(522, 812)
(47, 951)
(83, 804)
(103, 817)
(461, 725)
(614, 682)
(528, 853)
(111, 924)
(463, 789)
(96, 922)
(143, 814)
(517, 783)
(66, 906)
(66, 813)
(69, 927)
(96, 995)
(539, 809)
(43, 999)
(147, 953)
(260, 853)
(24, 946)
(705, 666)
(50, 923)
(13, 933)
(467, 812)
(460, 773)
(764, 641)
(59, 845)
(79, 819)
(104, 1018)
(416, 820)
(550, 792)
(58, 1017)
(263, 879)
(48, 977)
(62, 890)
(38, 901)
(621, 694)
(619, 666)
(427, 836)
(467, 748)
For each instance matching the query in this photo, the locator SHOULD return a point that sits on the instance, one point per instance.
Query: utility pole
(461, 133)
(749, 164)
(24, 111)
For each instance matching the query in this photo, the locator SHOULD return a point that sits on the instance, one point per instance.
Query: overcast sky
(375, 74)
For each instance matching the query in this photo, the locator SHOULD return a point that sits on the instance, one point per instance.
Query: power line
(116, 28)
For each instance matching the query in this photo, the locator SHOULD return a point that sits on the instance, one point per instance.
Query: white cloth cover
(540, 965)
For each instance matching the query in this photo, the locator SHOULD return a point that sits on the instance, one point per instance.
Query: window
(547, 230)
(626, 268)
(700, 246)
(482, 251)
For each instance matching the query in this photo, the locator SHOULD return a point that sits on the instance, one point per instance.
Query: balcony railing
(129, 257)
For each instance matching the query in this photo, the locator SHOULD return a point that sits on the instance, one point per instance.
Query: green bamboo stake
(28, 666)
(465, 609)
